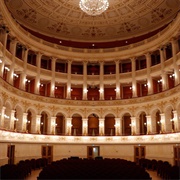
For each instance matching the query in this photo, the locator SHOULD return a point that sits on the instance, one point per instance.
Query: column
(11, 120)
(68, 125)
(163, 73)
(101, 126)
(176, 121)
(149, 78)
(153, 124)
(117, 81)
(36, 125)
(23, 73)
(149, 124)
(10, 75)
(175, 50)
(134, 126)
(2, 66)
(118, 126)
(68, 96)
(51, 126)
(163, 124)
(23, 123)
(85, 80)
(134, 85)
(85, 127)
(37, 79)
(2, 117)
(53, 65)
(4, 40)
(101, 88)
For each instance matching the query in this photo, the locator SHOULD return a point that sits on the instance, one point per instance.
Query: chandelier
(94, 7)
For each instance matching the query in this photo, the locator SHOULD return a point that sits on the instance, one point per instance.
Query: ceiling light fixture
(94, 7)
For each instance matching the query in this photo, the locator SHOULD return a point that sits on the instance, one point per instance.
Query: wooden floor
(35, 174)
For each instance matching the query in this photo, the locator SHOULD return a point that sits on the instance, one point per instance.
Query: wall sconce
(69, 89)
(28, 122)
(101, 90)
(41, 85)
(172, 75)
(6, 116)
(159, 122)
(28, 81)
(15, 75)
(85, 90)
(0, 61)
(16, 119)
(159, 81)
(117, 90)
(6, 68)
(145, 85)
(131, 88)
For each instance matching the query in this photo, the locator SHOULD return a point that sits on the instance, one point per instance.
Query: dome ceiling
(63, 19)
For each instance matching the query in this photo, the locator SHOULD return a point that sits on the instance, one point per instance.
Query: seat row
(22, 169)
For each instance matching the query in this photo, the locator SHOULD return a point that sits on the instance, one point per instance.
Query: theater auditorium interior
(90, 89)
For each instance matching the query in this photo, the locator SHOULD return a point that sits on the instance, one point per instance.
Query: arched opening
(44, 123)
(126, 124)
(143, 123)
(29, 121)
(93, 125)
(76, 125)
(110, 125)
(60, 124)
(158, 122)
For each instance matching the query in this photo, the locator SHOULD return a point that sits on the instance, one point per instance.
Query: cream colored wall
(27, 151)
(3, 153)
(64, 151)
(24, 151)
(117, 151)
(160, 152)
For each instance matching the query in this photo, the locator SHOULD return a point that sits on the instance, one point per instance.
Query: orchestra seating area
(99, 168)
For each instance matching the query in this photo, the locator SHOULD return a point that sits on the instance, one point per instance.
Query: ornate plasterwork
(65, 20)
(69, 107)
(13, 137)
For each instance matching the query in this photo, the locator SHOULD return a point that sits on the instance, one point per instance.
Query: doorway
(93, 152)
(176, 155)
(139, 153)
(47, 152)
(10, 154)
